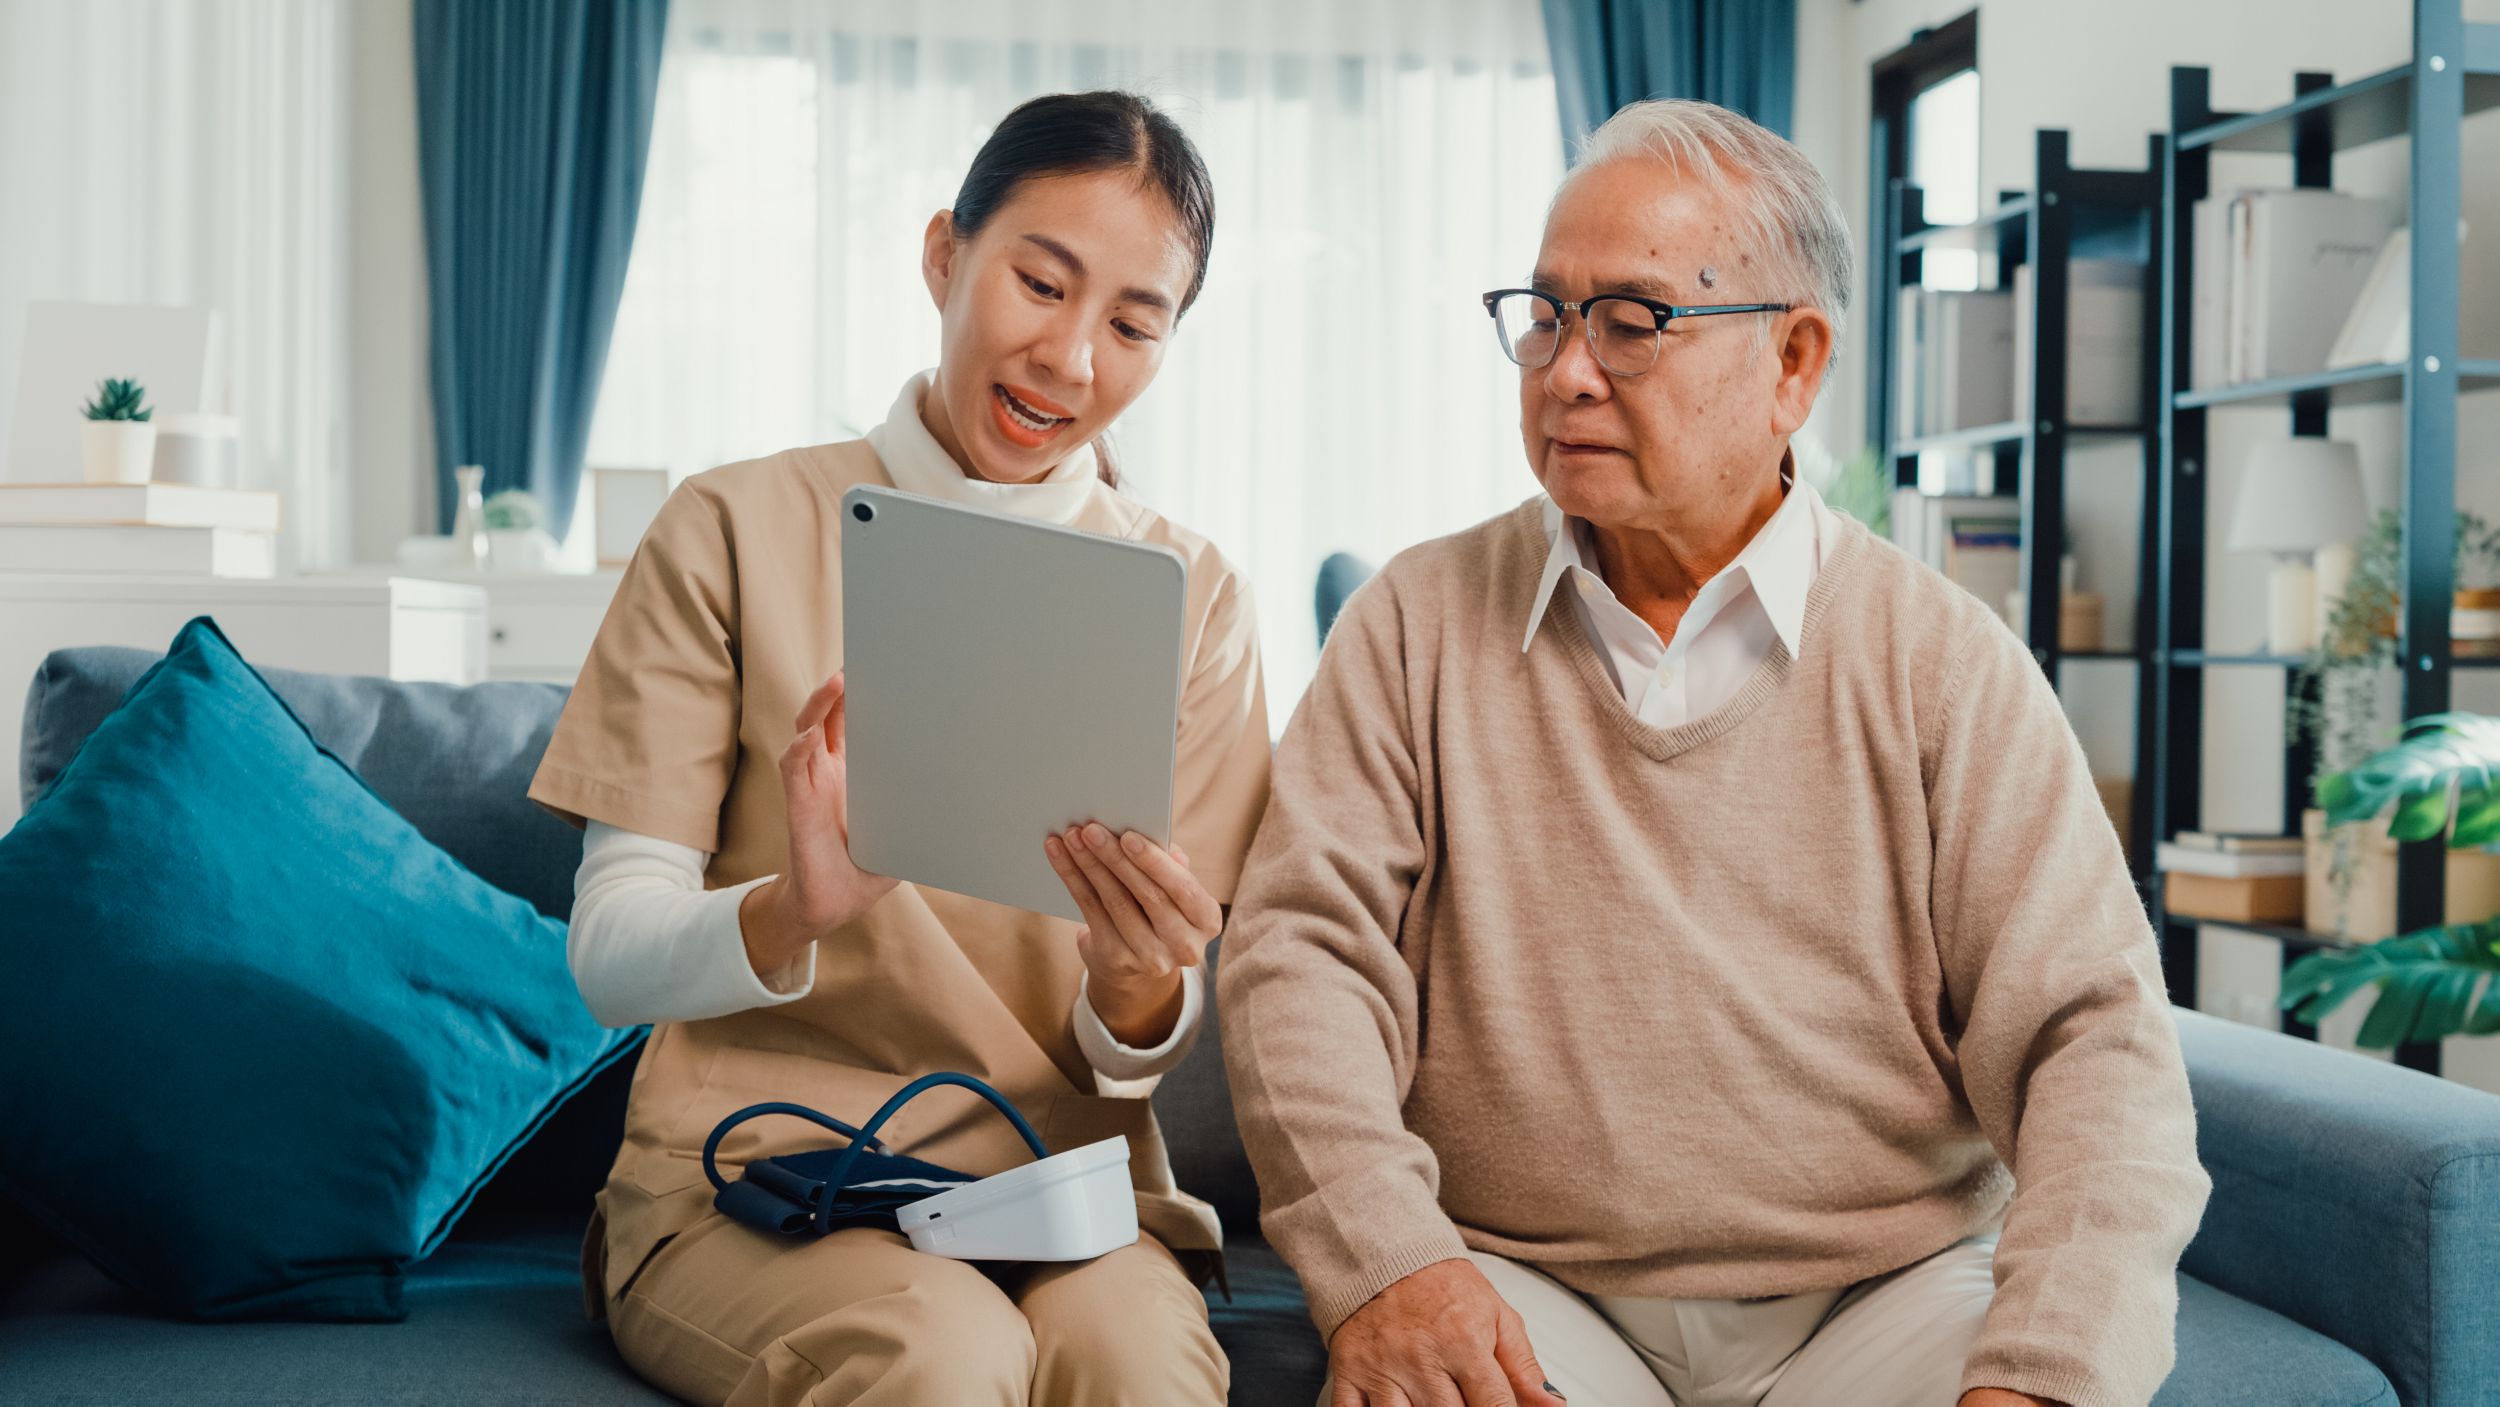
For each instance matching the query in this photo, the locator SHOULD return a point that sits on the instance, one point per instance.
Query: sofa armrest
(2354, 1197)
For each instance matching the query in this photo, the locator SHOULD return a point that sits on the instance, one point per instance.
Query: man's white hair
(1788, 224)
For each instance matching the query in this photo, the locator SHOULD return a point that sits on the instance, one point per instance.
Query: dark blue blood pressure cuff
(857, 1184)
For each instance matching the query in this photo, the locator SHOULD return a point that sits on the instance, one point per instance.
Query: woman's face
(1053, 319)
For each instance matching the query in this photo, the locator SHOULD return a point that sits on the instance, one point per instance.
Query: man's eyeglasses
(1623, 328)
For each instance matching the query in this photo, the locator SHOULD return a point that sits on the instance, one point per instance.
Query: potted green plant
(2474, 629)
(2336, 708)
(119, 445)
(2442, 778)
(2338, 711)
(516, 536)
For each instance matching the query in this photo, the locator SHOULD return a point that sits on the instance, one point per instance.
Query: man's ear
(1803, 343)
(938, 248)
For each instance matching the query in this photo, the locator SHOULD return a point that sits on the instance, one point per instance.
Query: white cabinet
(396, 627)
(539, 625)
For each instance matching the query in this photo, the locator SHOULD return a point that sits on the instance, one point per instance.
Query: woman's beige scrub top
(728, 618)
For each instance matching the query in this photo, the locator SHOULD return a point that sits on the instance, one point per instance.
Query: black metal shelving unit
(2454, 70)
(2070, 213)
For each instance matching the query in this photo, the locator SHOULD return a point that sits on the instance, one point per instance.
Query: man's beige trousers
(1898, 1340)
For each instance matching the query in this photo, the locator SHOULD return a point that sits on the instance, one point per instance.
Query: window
(1944, 165)
(1377, 166)
(1925, 160)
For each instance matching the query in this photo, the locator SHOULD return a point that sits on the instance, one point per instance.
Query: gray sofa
(2351, 1254)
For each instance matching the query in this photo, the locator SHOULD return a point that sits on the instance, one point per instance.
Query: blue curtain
(533, 125)
(1740, 54)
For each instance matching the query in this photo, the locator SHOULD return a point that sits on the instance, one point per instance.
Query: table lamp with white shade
(2297, 496)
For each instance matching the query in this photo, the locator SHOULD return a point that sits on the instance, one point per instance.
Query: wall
(2102, 72)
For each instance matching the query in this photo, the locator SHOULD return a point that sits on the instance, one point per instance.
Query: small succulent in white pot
(119, 445)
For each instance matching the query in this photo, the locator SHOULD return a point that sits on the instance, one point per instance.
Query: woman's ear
(937, 255)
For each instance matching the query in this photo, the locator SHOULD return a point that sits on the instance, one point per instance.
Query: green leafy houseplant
(2478, 554)
(2337, 707)
(513, 510)
(2443, 777)
(119, 400)
(1864, 491)
(2338, 710)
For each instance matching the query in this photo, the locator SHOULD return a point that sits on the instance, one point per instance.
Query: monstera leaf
(2440, 778)
(2432, 984)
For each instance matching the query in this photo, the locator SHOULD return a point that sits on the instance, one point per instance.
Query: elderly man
(1736, 995)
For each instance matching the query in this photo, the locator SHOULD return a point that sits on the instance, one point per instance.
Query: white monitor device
(1005, 679)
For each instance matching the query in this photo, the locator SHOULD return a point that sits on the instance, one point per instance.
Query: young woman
(703, 752)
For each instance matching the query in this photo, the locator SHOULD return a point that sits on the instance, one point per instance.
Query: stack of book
(1977, 542)
(2240, 878)
(1957, 360)
(2474, 623)
(149, 529)
(2104, 342)
(2279, 274)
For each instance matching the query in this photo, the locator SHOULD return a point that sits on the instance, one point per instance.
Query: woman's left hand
(1146, 918)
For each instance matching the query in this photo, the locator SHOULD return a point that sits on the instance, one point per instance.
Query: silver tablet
(1006, 679)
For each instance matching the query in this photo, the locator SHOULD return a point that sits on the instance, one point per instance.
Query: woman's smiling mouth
(1027, 419)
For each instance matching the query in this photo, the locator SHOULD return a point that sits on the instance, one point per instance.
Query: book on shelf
(1984, 555)
(2380, 326)
(1911, 334)
(2104, 342)
(2278, 274)
(2174, 858)
(2260, 899)
(137, 550)
(2210, 251)
(1931, 526)
(1972, 362)
(158, 505)
(2242, 842)
(1956, 360)
(1909, 522)
(2379, 329)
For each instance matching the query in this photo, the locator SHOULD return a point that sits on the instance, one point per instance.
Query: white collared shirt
(649, 943)
(1727, 632)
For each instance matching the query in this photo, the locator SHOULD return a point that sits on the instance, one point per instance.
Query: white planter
(119, 451)
(196, 449)
(519, 550)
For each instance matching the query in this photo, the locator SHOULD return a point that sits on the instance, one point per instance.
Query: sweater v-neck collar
(1660, 744)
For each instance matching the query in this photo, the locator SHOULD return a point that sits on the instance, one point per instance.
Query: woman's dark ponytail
(1064, 134)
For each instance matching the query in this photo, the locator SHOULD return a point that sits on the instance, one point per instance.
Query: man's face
(1710, 411)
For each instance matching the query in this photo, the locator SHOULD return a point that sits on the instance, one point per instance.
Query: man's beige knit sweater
(1774, 1001)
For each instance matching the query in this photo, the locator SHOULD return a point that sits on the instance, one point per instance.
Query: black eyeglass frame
(1662, 313)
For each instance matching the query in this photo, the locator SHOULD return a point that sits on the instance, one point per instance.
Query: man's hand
(1437, 1338)
(2000, 1397)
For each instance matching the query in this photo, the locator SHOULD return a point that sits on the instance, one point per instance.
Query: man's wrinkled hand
(1441, 1335)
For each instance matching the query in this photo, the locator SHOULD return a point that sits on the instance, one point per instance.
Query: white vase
(468, 520)
(119, 451)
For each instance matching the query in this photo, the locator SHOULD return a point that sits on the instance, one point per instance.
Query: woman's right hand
(822, 889)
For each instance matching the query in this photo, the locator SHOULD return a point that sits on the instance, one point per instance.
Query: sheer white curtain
(1378, 164)
(194, 152)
